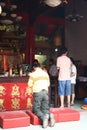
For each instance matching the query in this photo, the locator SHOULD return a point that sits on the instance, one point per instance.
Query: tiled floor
(74, 125)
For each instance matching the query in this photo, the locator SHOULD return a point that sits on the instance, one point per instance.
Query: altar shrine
(15, 94)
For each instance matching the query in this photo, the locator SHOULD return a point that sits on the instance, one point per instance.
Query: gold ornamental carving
(28, 91)
(15, 91)
(15, 103)
(29, 104)
(2, 89)
(1, 104)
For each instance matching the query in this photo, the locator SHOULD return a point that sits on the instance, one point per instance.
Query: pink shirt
(64, 66)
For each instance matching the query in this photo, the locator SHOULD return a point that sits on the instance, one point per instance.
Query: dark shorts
(72, 88)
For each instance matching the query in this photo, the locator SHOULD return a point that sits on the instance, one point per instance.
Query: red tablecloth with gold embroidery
(15, 94)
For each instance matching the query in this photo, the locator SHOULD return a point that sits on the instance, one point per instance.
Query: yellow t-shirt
(39, 80)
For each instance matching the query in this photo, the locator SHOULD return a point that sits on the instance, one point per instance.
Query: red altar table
(15, 94)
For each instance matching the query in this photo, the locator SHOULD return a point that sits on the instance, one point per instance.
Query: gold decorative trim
(1, 104)
(28, 91)
(15, 90)
(2, 89)
(15, 103)
(29, 103)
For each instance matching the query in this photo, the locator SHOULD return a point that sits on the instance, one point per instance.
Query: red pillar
(30, 44)
(30, 40)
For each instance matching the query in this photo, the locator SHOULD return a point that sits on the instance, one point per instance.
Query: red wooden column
(30, 40)
(30, 44)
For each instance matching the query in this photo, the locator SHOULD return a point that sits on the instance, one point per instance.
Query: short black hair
(35, 61)
(63, 50)
(36, 64)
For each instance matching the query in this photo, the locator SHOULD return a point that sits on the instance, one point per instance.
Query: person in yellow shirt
(40, 82)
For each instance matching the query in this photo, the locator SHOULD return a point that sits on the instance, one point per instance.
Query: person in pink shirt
(64, 80)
